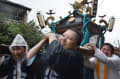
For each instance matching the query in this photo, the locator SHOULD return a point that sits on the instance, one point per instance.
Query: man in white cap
(10, 68)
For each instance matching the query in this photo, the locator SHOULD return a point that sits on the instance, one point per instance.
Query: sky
(61, 7)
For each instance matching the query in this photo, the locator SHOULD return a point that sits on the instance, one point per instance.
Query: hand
(50, 37)
(90, 46)
(45, 37)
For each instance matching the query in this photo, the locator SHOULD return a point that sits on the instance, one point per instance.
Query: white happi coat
(113, 65)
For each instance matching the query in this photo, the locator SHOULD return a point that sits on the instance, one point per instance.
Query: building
(13, 11)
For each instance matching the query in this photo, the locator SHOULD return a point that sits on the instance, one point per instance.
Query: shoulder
(114, 56)
(54, 43)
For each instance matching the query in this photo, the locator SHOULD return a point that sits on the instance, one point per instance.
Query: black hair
(79, 35)
(110, 45)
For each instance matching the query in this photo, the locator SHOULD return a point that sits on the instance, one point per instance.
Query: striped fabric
(98, 71)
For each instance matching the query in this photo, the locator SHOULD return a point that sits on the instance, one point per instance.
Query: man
(106, 63)
(61, 59)
(10, 68)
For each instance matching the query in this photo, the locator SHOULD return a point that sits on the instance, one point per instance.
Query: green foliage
(28, 30)
(3, 33)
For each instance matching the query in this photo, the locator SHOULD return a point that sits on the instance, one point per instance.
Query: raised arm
(88, 49)
(33, 51)
(113, 60)
(51, 37)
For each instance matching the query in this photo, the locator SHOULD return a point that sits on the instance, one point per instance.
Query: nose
(64, 38)
(105, 51)
(15, 52)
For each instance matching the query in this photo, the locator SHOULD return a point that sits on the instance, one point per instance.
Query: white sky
(61, 7)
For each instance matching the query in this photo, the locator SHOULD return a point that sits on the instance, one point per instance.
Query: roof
(71, 21)
(15, 4)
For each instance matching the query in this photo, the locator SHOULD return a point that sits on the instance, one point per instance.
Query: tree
(29, 31)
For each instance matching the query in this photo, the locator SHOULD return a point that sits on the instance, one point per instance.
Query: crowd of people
(62, 59)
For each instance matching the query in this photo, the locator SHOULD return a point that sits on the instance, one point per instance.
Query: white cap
(19, 41)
